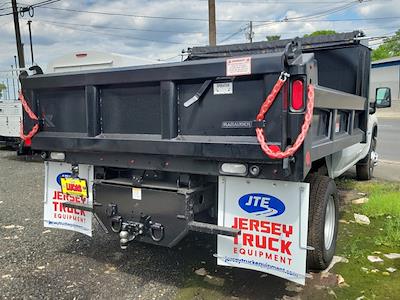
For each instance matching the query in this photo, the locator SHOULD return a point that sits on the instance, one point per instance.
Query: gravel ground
(37, 263)
(40, 263)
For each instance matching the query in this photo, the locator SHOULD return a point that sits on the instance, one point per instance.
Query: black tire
(365, 167)
(322, 191)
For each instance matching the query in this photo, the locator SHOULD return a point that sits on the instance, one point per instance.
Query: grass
(382, 204)
(384, 197)
(382, 236)
(391, 234)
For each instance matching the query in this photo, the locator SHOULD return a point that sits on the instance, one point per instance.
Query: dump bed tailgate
(142, 110)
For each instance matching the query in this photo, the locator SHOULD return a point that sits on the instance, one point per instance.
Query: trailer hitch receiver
(130, 230)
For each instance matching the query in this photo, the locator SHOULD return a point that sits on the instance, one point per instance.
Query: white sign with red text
(238, 66)
(273, 219)
(56, 215)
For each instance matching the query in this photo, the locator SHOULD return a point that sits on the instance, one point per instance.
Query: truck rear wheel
(322, 221)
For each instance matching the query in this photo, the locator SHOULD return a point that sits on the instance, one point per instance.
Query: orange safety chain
(291, 150)
(31, 115)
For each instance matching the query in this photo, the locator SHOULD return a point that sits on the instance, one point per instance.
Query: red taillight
(297, 95)
(81, 54)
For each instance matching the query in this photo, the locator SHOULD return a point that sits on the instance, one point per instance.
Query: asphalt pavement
(389, 139)
(41, 263)
(388, 148)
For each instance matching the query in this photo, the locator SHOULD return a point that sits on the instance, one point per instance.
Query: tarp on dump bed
(308, 44)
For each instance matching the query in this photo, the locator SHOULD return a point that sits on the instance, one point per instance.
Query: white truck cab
(363, 155)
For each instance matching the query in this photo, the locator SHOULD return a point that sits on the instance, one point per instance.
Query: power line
(124, 36)
(234, 34)
(5, 8)
(157, 17)
(280, 2)
(134, 15)
(39, 4)
(128, 28)
(218, 20)
(326, 12)
(6, 14)
(331, 20)
(231, 34)
(302, 18)
(4, 3)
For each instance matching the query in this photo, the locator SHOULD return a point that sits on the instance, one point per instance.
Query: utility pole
(30, 40)
(212, 28)
(250, 34)
(20, 50)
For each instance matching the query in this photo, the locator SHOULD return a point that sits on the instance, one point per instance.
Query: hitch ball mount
(129, 230)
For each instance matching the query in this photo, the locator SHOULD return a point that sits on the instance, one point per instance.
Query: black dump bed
(136, 117)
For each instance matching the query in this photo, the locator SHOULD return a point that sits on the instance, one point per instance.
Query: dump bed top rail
(311, 43)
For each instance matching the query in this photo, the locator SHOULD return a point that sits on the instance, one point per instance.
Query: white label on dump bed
(273, 219)
(238, 66)
(136, 193)
(56, 215)
(223, 88)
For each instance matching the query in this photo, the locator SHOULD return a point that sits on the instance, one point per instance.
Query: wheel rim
(329, 228)
(374, 158)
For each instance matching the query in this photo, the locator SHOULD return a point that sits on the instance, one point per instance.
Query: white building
(386, 73)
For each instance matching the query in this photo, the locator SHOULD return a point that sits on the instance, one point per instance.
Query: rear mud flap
(273, 219)
(58, 215)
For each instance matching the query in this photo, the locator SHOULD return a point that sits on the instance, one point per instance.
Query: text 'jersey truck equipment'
(240, 141)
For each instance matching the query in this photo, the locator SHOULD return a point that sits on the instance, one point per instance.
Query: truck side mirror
(383, 97)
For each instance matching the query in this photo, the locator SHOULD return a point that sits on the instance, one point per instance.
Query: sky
(158, 30)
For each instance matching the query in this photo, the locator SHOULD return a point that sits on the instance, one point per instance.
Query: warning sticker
(136, 193)
(238, 66)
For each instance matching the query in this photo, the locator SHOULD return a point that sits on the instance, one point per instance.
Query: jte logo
(262, 204)
(63, 175)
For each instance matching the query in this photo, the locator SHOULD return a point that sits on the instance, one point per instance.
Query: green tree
(2, 88)
(320, 32)
(389, 48)
(273, 37)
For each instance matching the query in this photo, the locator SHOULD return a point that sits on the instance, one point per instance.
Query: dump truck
(239, 141)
